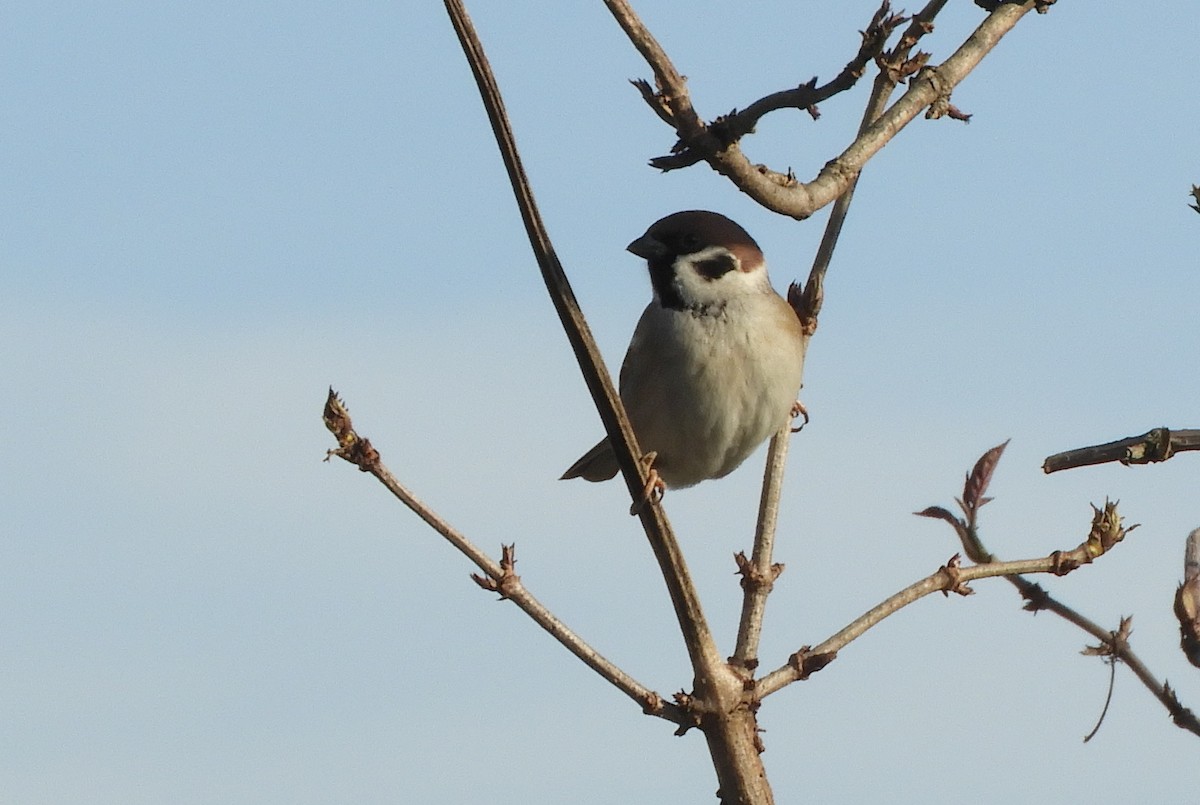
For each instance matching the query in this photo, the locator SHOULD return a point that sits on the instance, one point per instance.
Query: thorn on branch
(899, 69)
(805, 663)
(691, 715)
(880, 29)
(812, 109)
(1036, 597)
(1196, 196)
(752, 576)
(508, 581)
(952, 571)
(351, 447)
(654, 100)
(1117, 643)
(1181, 716)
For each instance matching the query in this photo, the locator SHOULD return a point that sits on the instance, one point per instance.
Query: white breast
(705, 388)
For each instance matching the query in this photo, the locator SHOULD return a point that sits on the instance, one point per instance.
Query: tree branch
(950, 578)
(1158, 444)
(734, 126)
(697, 636)
(1106, 530)
(780, 192)
(717, 704)
(499, 577)
(759, 573)
(1038, 600)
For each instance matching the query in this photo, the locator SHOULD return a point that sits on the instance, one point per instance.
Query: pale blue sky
(208, 214)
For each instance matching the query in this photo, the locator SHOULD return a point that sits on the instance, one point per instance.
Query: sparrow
(715, 362)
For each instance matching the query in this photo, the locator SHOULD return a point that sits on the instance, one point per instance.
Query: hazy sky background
(211, 212)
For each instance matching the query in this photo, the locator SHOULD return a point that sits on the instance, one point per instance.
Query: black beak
(647, 248)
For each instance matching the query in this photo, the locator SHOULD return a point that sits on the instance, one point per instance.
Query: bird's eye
(690, 243)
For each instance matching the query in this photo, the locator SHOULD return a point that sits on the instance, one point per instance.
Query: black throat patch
(662, 277)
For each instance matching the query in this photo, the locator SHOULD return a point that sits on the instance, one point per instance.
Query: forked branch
(658, 530)
(929, 88)
(499, 577)
(1106, 531)
(760, 571)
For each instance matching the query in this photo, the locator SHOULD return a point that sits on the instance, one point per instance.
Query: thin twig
(737, 124)
(780, 192)
(946, 579)
(760, 572)
(1112, 684)
(1157, 444)
(697, 636)
(730, 731)
(1037, 600)
(358, 451)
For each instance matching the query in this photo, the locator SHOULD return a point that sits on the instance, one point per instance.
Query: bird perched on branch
(715, 362)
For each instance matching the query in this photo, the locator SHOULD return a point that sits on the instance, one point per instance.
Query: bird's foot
(654, 489)
(798, 409)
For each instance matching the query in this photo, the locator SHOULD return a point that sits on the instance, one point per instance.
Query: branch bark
(946, 579)
(616, 424)
(781, 192)
(1157, 444)
(759, 572)
(358, 451)
(1106, 530)
(717, 704)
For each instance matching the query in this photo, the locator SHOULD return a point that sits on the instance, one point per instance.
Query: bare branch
(1106, 531)
(732, 127)
(781, 192)
(950, 578)
(1108, 650)
(1158, 444)
(498, 577)
(1038, 600)
(730, 730)
(759, 572)
(697, 635)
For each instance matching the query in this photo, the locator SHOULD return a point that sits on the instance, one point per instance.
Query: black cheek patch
(716, 267)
